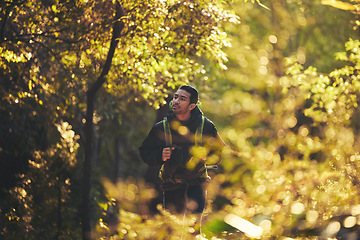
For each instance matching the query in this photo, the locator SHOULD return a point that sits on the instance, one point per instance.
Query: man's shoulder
(208, 121)
(209, 126)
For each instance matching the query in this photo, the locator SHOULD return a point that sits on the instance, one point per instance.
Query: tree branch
(91, 96)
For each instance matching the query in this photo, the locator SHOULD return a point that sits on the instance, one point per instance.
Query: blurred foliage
(284, 98)
(50, 53)
(292, 130)
(45, 197)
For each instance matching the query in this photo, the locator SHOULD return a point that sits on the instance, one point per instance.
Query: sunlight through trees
(280, 80)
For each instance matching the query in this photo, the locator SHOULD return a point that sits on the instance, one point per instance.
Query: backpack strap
(167, 132)
(199, 132)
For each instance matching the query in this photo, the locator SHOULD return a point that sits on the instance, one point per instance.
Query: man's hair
(194, 95)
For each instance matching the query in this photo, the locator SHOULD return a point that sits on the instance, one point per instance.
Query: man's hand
(166, 154)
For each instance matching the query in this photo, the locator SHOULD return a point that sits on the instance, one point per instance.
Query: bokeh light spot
(297, 208)
(312, 216)
(273, 39)
(350, 221)
(333, 228)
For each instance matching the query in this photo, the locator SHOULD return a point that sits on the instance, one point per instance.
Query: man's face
(181, 102)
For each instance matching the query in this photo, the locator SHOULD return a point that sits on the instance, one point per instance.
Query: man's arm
(151, 150)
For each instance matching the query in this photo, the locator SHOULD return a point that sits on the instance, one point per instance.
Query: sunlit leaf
(339, 4)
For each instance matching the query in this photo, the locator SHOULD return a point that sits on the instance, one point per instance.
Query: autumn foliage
(280, 80)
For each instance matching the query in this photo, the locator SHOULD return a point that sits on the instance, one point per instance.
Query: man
(181, 145)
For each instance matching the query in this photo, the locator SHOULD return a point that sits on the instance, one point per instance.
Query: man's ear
(192, 106)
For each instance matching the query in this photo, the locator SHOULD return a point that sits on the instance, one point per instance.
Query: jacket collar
(193, 122)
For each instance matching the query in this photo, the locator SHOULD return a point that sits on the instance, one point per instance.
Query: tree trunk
(118, 156)
(91, 96)
(59, 216)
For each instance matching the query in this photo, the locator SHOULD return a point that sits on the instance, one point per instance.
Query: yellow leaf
(339, 4)
(103, 206)
(53, 7)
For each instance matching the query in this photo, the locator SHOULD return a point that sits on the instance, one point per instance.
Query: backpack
(198, 142)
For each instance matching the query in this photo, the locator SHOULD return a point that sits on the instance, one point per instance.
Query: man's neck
(183, 117)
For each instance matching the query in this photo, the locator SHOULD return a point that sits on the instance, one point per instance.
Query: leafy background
(280, 79)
